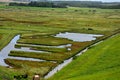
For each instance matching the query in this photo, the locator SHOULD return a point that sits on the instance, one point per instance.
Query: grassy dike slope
(101, 62)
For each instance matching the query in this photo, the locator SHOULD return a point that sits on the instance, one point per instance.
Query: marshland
(46, 34)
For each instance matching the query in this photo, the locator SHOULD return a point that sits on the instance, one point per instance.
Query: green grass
(5, 39)
(45, 56)
(45, 41)
(54, 50)
(43, 48)
(36, 25)
(100, 62)
(8, 74)
(31, 67)
(55, 54)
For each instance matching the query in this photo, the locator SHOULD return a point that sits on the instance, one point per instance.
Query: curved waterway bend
(6, 50)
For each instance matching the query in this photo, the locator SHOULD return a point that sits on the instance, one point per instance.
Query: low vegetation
(5, 39)
(55, 54)
(37, 26)
(97, 63)
(44, 41)
(45, 56)
(43, 48)
(31, 67)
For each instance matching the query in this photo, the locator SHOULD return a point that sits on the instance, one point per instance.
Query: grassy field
(32, 67)
(93, 64)
(37, 27)
(5, 39)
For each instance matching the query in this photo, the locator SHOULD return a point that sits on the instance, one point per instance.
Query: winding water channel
(72, 36)
(6, 50)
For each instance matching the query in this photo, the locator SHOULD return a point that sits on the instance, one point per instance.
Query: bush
(90, 29)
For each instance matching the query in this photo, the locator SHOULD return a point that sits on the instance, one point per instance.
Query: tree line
(39, 4)
(64, 4)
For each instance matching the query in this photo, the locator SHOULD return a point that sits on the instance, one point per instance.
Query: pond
(79, 37)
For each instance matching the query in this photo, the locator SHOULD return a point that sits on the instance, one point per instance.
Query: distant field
(37, 27)
(100, 62)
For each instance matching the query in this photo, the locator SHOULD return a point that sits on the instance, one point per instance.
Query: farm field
(37, 28)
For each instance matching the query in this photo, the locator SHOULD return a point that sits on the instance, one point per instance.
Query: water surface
(6, 50)
(60, 46)
(72, 36)
(79, 37)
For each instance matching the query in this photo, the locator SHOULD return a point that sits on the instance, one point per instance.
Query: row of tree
(39, 4)
(91, 4)
(110, 6)
(64, 4)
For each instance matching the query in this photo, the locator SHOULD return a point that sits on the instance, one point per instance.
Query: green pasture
(37, 26)
(42, 48)
(45, 41)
